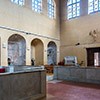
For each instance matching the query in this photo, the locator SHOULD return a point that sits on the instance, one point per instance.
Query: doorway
(93, 57)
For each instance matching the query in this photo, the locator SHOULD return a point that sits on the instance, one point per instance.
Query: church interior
(49, 50)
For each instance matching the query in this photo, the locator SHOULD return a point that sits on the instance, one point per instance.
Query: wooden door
(90, 55)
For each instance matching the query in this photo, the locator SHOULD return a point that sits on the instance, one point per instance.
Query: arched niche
(37, 51)
(17, 50)
(52, 53)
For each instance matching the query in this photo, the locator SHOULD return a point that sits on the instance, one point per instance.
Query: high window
(19, 2)
(73, 8)
(37, 5)
(51, 8)
(93, 6)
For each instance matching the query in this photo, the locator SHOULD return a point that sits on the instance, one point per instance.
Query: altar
(23, 83)
(77, 74)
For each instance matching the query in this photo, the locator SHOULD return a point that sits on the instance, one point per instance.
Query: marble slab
(78, 74)
(30, 85)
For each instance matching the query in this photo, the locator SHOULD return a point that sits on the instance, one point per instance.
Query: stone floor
(62, 90)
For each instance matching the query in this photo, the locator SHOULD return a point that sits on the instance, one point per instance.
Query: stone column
(4, 51)
(28, 52)
(58, 52)
(45, 54)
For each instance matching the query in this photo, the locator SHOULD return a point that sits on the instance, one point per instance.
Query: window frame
(51, 9)
(93, 6)
(37, 6)
(19, 2)
(74, 5)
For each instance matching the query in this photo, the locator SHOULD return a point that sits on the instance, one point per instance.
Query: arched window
(51, 9)
(93, 6)
(73, 8)
(37, 5)
(19, 2)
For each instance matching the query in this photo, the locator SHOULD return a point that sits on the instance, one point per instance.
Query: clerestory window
(37, 5)
(19, 2)
(51, 9)
(73, 8)
(93, 6)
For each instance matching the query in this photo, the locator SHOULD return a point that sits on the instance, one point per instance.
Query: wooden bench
(49, 68)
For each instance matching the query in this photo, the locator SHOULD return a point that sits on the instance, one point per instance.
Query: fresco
(17, 52)
(51, 53)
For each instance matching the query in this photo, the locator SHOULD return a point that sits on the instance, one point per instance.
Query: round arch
(16, 50)
(52, 53)
(37, 53)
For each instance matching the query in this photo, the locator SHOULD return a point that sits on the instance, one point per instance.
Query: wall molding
(28, 33)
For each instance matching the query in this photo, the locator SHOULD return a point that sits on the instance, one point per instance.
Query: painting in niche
(16, 52)
(51, 55)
